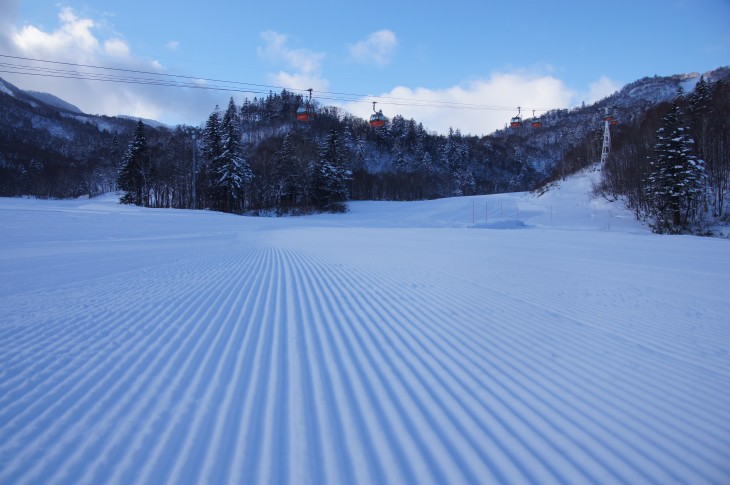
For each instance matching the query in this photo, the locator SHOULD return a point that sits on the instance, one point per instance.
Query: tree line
(254, 158)
(672, 167)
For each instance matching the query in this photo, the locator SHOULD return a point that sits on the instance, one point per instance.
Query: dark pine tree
(675, 183)
(135, 175)
(331, 178)
(231, 173)
(456, 164)
(287, 178)
(212, 150)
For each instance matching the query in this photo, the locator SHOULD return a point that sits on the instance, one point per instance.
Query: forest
(256, 158)
(691, 134)
(281, 158)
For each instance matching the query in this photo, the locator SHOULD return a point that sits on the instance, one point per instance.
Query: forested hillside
(672, 164)
(254, 157)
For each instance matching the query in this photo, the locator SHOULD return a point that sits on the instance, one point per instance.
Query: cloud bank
(302, 67)
(480, 106)
(477, 106)
(378, 48)
(83, 40)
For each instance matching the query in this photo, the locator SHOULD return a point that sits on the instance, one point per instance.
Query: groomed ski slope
(491, 339)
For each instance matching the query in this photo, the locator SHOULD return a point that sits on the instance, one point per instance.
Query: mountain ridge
(44, 141)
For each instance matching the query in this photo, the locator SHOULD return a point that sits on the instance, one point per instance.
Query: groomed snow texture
(492, 339)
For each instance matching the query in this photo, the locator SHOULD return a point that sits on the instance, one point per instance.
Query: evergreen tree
(675, 183)
(230, 172)
(212, 136)
(424, 162)
(286, 176)
(700, 100)
(456, 164)
(113, 163)
(136, 170)
(211, 150)
(331, 178)
(700, 111)
(400, 164)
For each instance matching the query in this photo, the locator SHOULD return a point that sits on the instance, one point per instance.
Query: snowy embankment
(399, 343)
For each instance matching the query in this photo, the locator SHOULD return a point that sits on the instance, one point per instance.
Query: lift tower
(608, 120)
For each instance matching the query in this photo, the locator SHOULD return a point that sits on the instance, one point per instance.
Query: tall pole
(606, 138)
(195, 169)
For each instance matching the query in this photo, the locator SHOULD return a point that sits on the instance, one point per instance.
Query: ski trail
(560, 388)
(427, 349)
(138, 400)
(172, 359)
(379, 318)
(212, 376)
(625, 459)
(183, 397)
(279, 357)
(73, 391)
(273, 419)
(351, 402)
(218, 459)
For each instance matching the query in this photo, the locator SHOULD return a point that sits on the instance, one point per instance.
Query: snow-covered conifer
(331, 178)
(231, 173)
(286, 174)
(675, 185)
(212, 136)
(136, 170)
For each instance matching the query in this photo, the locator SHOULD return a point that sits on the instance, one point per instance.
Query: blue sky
(499, 55)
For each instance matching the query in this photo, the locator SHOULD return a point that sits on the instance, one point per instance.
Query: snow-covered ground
(490, 339)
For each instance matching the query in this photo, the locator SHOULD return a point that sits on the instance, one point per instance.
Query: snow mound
(503, 224)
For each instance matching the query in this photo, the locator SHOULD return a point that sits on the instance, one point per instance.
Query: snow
(52, 100)
(402, 342)
(4, 89)
(688, 84)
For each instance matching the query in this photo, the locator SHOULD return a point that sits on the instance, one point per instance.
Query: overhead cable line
(194, 82)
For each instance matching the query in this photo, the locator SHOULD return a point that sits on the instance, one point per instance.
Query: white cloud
(302, 66)
(81, 40)
(172, 45)
(300, 81)
(476, 107)
(600, 89)
(378, 48)
(73, 35)
(116, 47)
(92, 42)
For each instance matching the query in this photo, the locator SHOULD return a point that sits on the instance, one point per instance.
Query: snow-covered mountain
(658, 89)
(636, 97)
(566, 129)
(146, 121)
(46, 110)
(506, 160)
(52, 100)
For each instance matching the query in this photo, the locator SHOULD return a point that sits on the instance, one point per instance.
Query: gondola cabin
(535, 122)
(305, 113)
(377, 119)
(516, 122)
